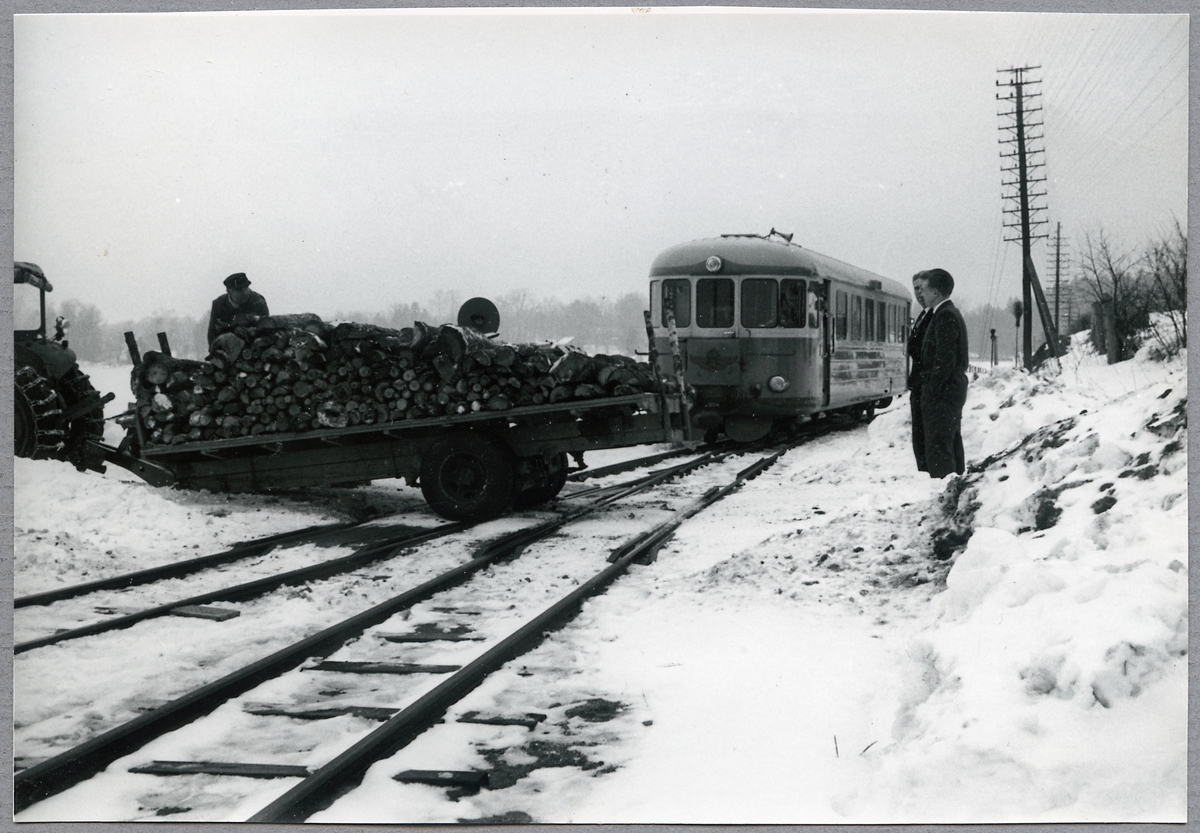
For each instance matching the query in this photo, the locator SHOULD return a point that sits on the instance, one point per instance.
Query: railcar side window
(856, 318)
(869, 321)
(714, 302)
(760, 298)
(840, 315)
(792, 305)
(677, 298)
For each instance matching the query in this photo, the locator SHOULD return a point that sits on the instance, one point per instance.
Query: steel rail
(81, 762)
(321, 788)
(250, 589)
(236, 552)
(628, 465)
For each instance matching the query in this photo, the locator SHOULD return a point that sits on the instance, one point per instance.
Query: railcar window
(816, 304)
(856, 318)
(714, 302)
(840, 315)
(792, 306)
(677, 298)
(893, 317)
(869, 320)
(760, 307)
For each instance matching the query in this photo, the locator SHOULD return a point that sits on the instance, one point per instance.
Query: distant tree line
(597, 325)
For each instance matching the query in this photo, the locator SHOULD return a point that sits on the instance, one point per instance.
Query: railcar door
(714, 357)
(827, 336)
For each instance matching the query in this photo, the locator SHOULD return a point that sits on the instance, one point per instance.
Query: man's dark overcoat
(914, 386)
(943, 390)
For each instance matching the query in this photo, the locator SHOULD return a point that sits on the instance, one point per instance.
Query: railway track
(427, 701)
(259, 546)
(383, 545)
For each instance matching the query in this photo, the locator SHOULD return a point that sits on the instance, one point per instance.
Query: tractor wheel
(468, 477)
(76, 388)
(543, 482)
(37, 418)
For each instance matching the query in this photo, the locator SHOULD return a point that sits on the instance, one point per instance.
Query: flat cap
(237, 280)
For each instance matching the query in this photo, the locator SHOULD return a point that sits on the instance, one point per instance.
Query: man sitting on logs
(239, 299)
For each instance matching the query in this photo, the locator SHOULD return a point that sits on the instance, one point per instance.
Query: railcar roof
(754, 255)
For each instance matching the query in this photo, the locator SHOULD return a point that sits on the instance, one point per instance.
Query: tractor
(56, 411)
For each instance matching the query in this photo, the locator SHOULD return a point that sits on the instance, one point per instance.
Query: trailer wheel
(545, 480)
(468, 477)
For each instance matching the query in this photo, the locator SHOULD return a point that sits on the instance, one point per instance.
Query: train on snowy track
(749, 333)
(771, 334)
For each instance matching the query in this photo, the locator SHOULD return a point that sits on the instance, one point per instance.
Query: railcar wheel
(468, 477)
(748, 429)
(545, 480)
(37, 419)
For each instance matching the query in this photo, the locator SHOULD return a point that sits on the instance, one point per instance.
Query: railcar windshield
(677, 299)
(760, 307)
(792, 307)
(714, 302)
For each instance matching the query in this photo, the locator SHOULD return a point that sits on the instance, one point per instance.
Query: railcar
(771, 334)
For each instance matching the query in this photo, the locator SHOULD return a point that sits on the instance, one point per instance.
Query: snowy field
(843, 641)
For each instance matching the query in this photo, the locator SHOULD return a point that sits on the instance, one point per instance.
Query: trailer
(469, 466)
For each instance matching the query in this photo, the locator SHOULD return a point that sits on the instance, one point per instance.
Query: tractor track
(321, 784)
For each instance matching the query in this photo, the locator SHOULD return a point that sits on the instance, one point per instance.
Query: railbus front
(771, 333)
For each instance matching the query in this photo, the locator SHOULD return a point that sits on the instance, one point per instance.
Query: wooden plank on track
(245, 770)
(443, 778)
(428, 637)
(383, 668)
(216, 614)
(312, 712)
(529, 720)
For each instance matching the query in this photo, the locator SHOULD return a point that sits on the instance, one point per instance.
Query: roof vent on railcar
(787, 238)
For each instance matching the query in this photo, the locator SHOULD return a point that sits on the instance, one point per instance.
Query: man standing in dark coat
(239, 299)
(943, 371)
(914, 373)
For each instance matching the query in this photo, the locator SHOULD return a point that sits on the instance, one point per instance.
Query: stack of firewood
(290, 373)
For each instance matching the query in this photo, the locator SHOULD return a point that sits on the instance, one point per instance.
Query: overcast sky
(351, 160)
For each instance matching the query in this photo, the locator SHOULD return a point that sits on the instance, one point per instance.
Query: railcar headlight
(778, 384)
(713, 264)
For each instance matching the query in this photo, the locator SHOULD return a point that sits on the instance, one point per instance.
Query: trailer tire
(468, 477)
(548, 478)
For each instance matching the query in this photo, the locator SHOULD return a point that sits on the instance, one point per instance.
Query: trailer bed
(393, 450)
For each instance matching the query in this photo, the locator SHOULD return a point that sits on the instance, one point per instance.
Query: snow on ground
(843, 640)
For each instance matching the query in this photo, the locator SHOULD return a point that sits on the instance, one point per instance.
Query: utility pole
(1024, 166)
(1057, 267)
